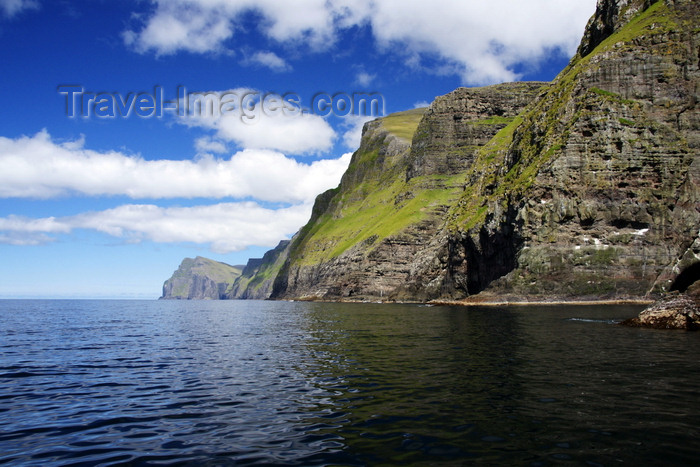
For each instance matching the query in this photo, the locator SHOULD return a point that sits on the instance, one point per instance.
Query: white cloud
(10, 8)
(206, 145)
(483, 40)
(295, 135)
(225, 227)
(304, 21)
(480, 41)
(21, 224)
(421, 104)
(270, 60)
(256, 120)
(22, 239)
(37, 167)
(364, 79)
(353, 130)
(192, 26)
(204, 25)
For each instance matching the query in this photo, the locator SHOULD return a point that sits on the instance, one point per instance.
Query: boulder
(675, 311)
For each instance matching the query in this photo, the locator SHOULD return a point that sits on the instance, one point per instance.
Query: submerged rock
(675, 311)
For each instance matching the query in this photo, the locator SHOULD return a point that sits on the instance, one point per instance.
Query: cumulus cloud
(10, 8)
(481, 41)
(191, 26)
(206, 145)
(353, 130)
(477, 38)
(302, 134)
(224, 227)
(364, 79)
(204, 25)
(38, 167)
(270, 60)
(257, 120)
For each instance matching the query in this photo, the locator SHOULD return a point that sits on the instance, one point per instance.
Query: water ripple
(231, 383)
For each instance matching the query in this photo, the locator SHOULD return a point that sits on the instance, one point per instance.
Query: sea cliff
(200, 279)
(584, 188)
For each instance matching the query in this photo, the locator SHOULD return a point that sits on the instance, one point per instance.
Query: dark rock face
(609, 17)
(617, 200)
(675, 311)
(477, 261)
(200, 279)
(361, 271)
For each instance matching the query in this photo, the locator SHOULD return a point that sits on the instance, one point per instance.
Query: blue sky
(102, 195)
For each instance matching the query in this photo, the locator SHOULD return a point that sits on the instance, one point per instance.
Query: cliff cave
(686, 278)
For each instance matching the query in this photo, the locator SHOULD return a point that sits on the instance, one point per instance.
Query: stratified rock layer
(457, 125)
(383, 222)
(596, 194)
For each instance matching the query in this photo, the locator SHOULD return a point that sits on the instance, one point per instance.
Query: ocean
(288, 383)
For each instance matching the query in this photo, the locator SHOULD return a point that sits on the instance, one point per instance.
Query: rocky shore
(675, 311)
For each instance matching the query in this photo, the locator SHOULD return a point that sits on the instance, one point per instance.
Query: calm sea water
(236, 383)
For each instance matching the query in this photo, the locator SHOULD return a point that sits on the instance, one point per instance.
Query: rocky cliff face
(333, 255)
(256, 279)
(200, 279)
(596, 190)
(206, 279)
(383, 223)
(457, 125)
(587, 187)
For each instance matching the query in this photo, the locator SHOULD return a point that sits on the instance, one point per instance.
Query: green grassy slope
(380, 205)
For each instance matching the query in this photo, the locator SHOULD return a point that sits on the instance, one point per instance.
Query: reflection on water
(418, 385)
(104, 382)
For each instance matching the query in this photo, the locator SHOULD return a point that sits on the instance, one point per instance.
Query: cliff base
(675, 311)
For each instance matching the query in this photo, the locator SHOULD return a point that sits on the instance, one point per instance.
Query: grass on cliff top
(219, 272)
(495, 120)
(267, 272)
(404, 124)
(492, 186)
(657, 19)
(384, 210)
(215, 270)
(381, 209)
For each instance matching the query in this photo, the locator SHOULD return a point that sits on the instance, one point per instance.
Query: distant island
(585, 188)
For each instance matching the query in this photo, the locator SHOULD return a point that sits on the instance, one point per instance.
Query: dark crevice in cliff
(686, 278)
(476, 262)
